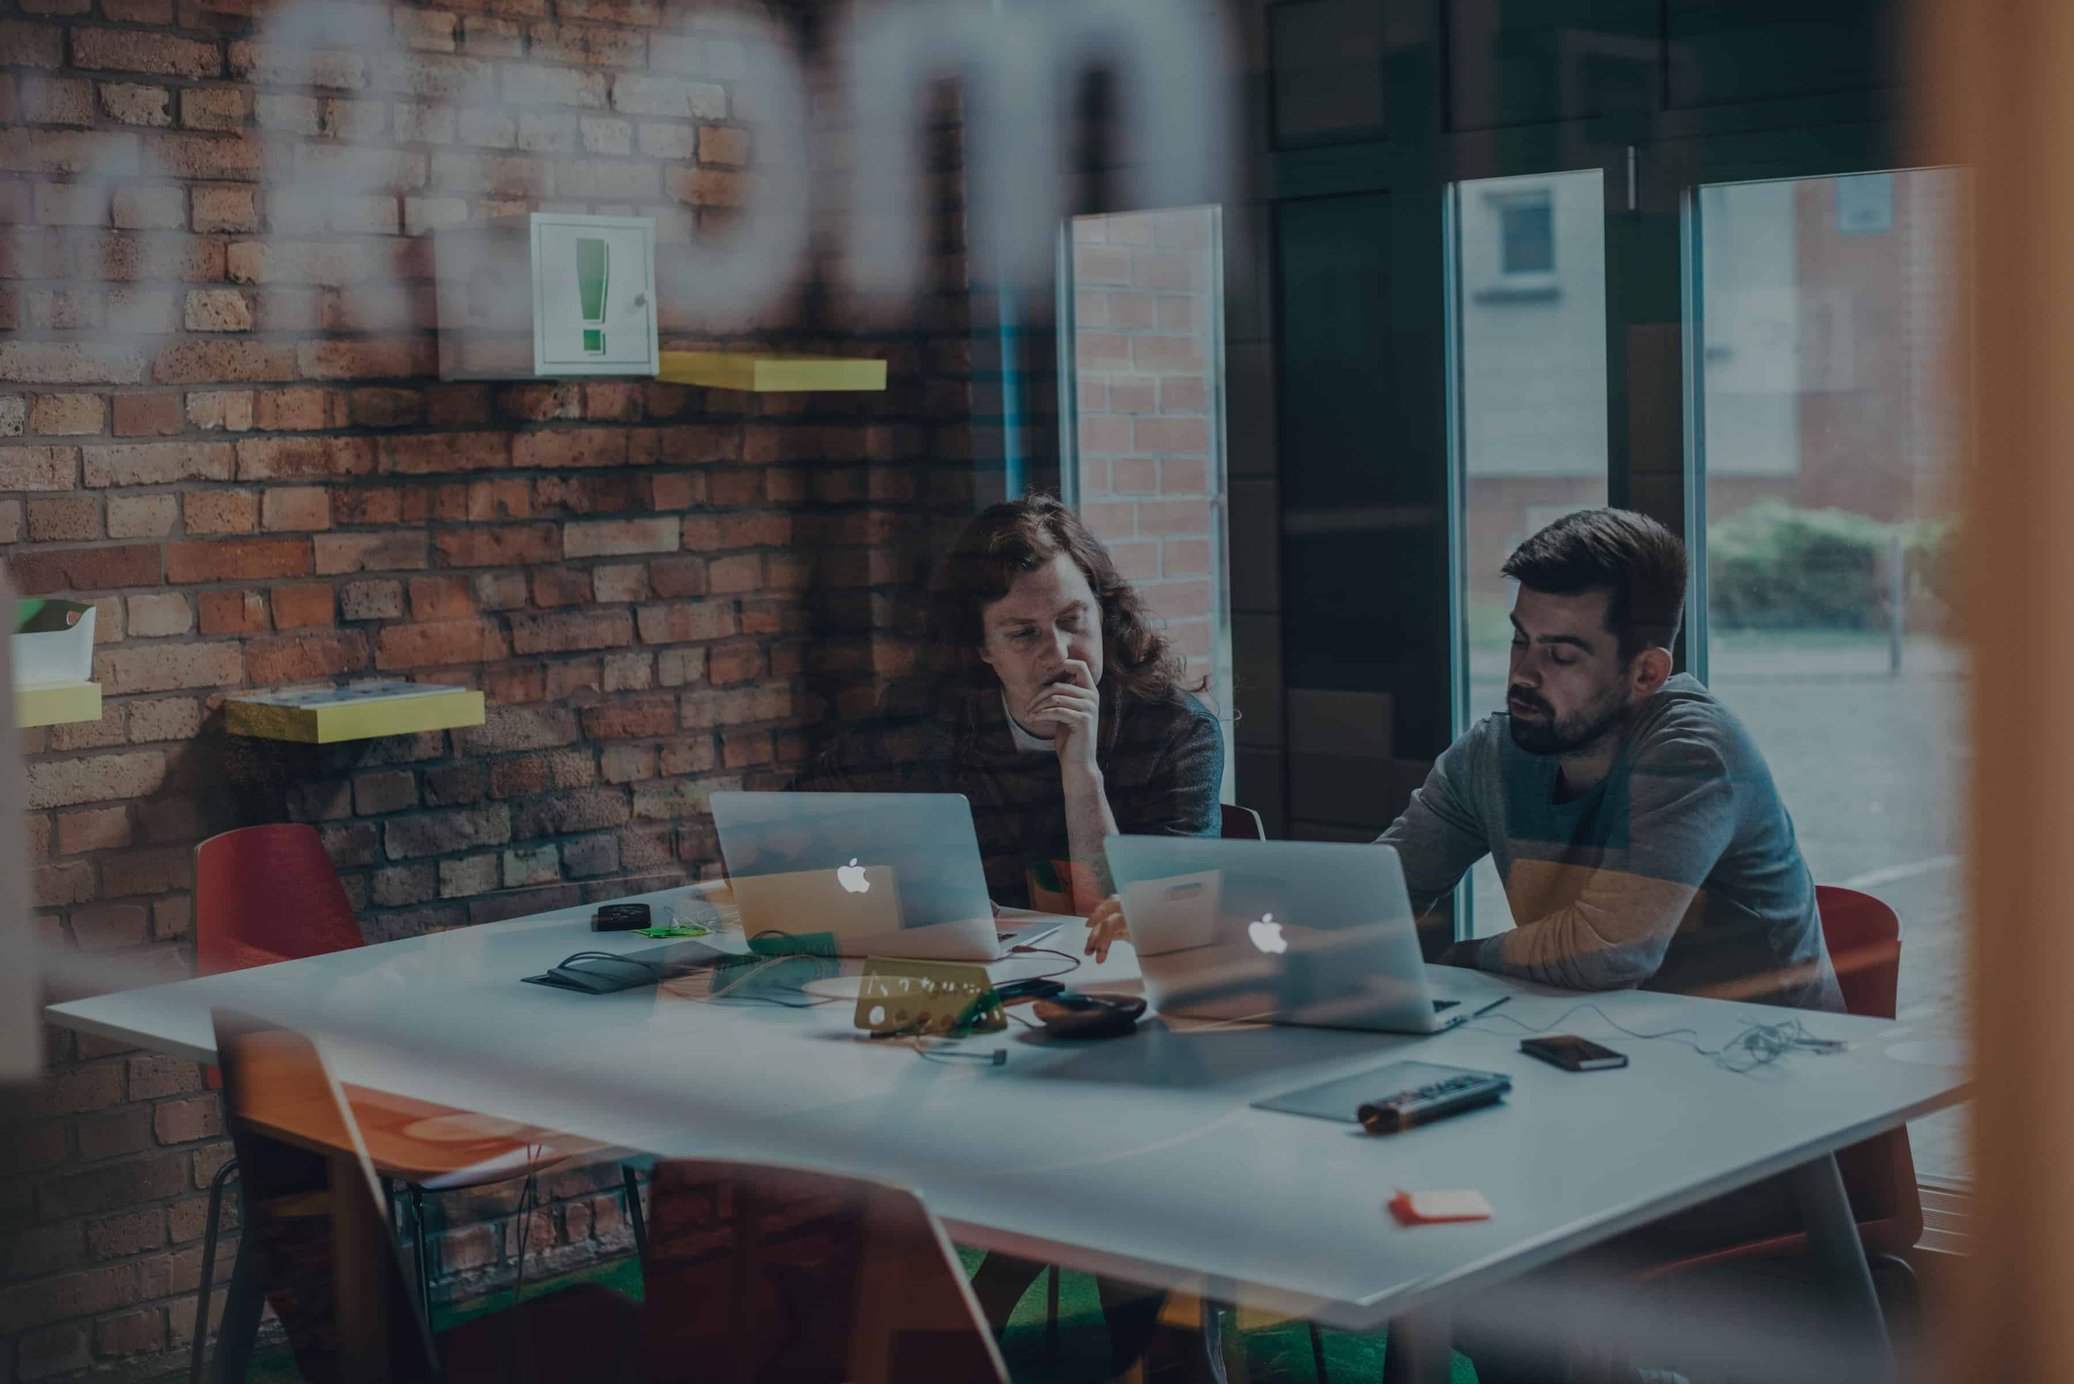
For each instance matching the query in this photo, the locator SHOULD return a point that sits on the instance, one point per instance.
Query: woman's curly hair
(1005, 540)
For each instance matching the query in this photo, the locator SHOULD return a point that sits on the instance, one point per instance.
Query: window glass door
(1828, 362)
(1528, 327)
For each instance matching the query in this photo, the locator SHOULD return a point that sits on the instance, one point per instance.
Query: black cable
(1048, 951)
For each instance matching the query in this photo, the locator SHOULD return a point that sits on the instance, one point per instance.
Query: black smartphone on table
(1573, 1054)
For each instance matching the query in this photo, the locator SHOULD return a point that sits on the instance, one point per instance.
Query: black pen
(1489, 1007)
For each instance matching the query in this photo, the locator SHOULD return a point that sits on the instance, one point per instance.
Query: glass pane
(1833, 327)
(1147, 470)
(1530, 299)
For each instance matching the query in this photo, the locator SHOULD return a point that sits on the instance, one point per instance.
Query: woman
(1051, 701)
(1054, 704)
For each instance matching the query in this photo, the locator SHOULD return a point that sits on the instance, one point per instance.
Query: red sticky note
(1438, 1208)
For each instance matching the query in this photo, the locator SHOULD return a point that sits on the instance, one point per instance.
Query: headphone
(1072, 1014)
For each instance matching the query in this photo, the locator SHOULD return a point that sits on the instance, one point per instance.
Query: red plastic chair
(1240, 823)
(268, 894)
(1863, 936)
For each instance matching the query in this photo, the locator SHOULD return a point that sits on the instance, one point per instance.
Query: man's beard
(1565, 735)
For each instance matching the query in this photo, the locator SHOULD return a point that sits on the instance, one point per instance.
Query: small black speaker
(619, 917)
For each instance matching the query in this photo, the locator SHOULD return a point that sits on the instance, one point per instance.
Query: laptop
(880, 874)
(1313, 933)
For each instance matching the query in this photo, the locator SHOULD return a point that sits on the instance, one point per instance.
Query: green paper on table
(682, 930)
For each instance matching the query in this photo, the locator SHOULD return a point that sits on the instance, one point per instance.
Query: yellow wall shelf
(356, 711)
(56, 704)
(770, 373)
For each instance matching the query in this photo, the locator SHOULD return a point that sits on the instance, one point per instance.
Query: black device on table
(620, 917)
(1572, 1054)
(603, 973)
(1435, 1100)
(1071, 1014)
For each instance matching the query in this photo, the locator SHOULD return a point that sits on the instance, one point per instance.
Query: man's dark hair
(1637, 560)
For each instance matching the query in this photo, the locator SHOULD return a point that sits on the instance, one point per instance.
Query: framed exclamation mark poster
(594, 291)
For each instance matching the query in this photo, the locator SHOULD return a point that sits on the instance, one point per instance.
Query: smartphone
(1573, 1054)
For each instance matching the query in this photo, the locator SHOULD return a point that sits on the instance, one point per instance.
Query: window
(1530, 413)
(1142, 337)
(1830, 324)
(1526, 235)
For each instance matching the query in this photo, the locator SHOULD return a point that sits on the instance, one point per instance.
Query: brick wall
(218, 422)
(1147, 398)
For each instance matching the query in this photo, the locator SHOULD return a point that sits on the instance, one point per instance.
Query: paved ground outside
(1872, 765)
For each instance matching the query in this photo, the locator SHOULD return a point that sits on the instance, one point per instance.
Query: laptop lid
(865, 867)
(1314, 933)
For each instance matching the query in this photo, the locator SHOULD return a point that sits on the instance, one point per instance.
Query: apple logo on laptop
(1267, 935)
(851, 878)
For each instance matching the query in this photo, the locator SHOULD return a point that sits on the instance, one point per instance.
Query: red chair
(1240, 823)
(270, 893)
(1863, 936)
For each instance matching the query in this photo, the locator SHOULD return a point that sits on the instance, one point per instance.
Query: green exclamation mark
(591, 275)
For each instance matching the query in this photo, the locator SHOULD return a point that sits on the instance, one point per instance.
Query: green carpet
(1274, 1355)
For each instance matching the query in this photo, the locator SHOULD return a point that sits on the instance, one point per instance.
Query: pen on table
(1489, 1007)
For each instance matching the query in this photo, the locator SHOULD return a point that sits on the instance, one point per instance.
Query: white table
(1138, 1157)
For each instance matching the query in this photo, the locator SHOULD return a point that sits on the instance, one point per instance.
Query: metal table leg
(1419, 1349)
(1833, 1234)
(242, 1304)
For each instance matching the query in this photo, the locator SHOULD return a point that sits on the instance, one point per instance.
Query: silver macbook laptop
(1288, 932)
(881, 874)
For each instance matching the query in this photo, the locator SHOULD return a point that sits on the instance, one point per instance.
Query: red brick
(441, 453)
(570, 448)
(295, 508)
(231, 612)
(732, 576)
(156, 463)
(301, 607)
(165, 667)
(536, 634)
(224, 362)
(67, 415)
(1172, 435)
(291, 458)
(39, 468)
(65, 362)
(73, 1295)
(64, 519)
(159, 615)
(95, 829)
(365, 359)
(630, 718)
(733, 663)
(221, 410)
(32, 45)
(46, 570)
(559, 586)
(130, 1333)
(1174, 517)
(148, 415)
(619, 537)
(505, 545)
(220, 209)
(95, 779)
(219, 511)
(338, 553)
(435, 644)
(299, 657)
(685, 621)
(133, 103)
(300, 408)
(719, 533)
(216, 310)
(250, 559)
(128, 50)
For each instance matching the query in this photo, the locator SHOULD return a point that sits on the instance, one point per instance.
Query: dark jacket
(1162, 765)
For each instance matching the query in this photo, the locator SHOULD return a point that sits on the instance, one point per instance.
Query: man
(1051, 701)
(1636, 827)
(1632, 818)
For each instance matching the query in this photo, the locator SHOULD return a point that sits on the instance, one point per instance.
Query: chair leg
(1210, 1316)
(1318, 1352)
(243, 1302)
(1051, 1311)
(210, 1230)
(421, 1238)
(631, 1182)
